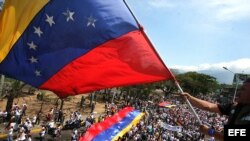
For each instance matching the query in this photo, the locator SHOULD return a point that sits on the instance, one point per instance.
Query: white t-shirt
(52, 124)
(42, 133)
(14, 125)
(10, 133)
(29, 139)
(22, 136)
(34, 119)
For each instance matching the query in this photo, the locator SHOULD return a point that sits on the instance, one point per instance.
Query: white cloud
(161, 3)
(206, 16)
(237, 66)
(223, 10)
(212, 10)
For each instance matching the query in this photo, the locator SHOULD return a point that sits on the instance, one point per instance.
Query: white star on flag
(33, 60)
(49, 20)
(38, 73)
(69, 15)
(91, 21)
(32, 45)
(38, 31)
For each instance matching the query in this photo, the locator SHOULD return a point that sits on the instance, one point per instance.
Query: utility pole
(237, 81)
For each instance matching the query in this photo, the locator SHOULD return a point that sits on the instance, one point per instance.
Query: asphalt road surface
(65, 136)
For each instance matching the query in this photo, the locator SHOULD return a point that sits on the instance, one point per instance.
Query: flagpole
(176, 82)
(189, 104)
(146, 37)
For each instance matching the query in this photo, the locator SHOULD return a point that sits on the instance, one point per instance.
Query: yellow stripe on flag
(170, 106)
(125, 130)
(14, 19)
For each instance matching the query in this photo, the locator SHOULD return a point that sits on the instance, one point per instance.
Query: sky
(198, 34)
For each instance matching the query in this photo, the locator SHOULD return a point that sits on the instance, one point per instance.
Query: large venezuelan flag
(113, 127)
(74, 46)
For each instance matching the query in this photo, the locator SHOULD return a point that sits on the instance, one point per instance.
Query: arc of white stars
(33, 60)
(69, 15)
(37, 73)
(32, 45)
(38, 31)
(91, 21)
(50, 20)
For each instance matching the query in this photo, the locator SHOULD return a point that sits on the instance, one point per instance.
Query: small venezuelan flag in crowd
(113, 127)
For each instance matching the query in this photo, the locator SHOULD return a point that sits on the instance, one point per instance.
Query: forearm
(201, 104)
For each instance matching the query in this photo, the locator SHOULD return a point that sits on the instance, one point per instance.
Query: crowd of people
(153, 125)
(150, 128)
(158, 123)
(17, 123)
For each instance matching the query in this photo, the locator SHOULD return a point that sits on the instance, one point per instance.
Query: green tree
(196, 83)
(138, 91)
(16, 87)
(167, 86)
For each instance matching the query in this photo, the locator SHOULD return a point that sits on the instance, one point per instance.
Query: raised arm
(202, 104)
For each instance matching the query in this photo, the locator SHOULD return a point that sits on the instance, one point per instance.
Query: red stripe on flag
(165, 103)
(124, 61)
(97, 128)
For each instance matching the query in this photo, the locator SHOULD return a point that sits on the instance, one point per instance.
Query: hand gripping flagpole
(189, 104)
(176, 82)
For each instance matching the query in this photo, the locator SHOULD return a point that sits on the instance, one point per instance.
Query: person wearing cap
(238, 111)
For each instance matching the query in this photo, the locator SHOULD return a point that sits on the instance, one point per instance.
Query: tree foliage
(138, 91)
(196, 83)
(192, 82)
(16, 87)
(144, 91)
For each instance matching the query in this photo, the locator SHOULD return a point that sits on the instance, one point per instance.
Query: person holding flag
(238, 112)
